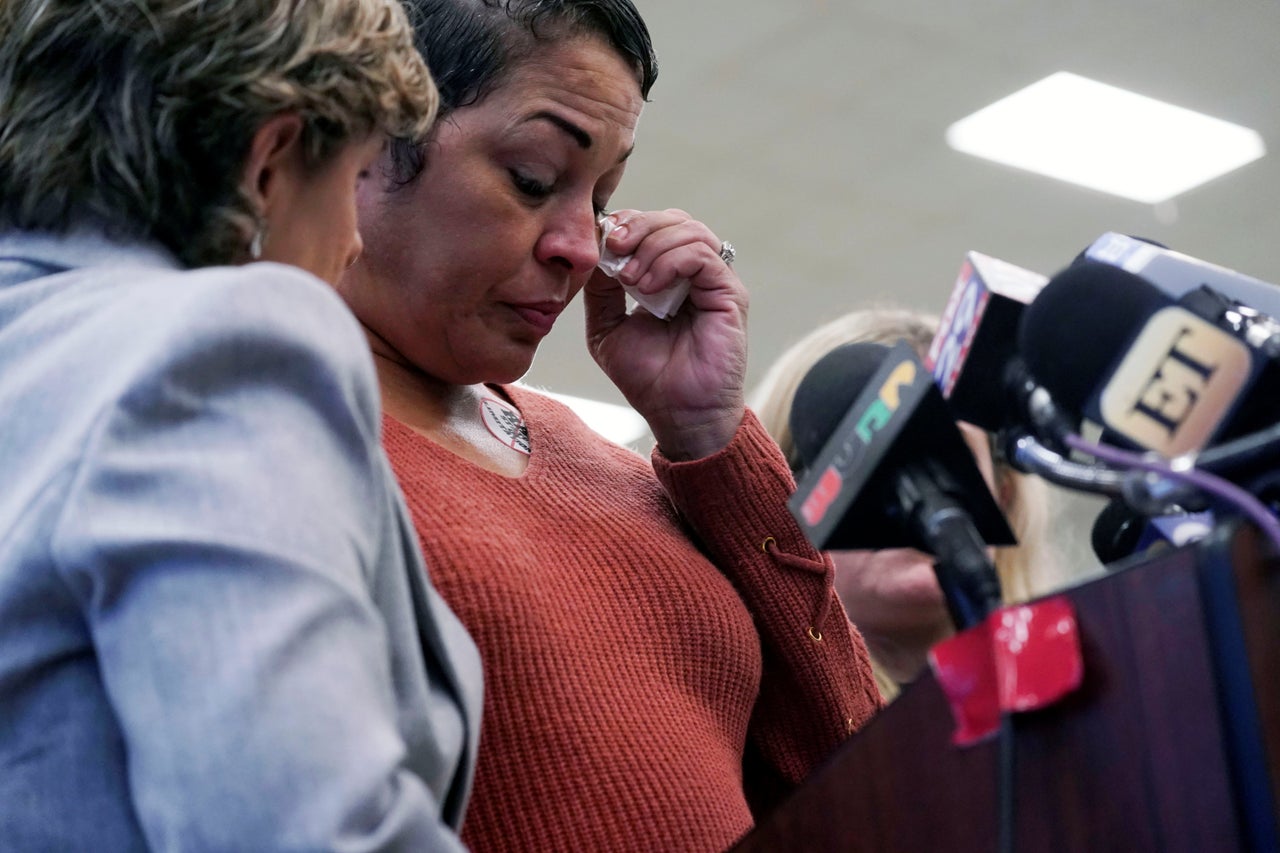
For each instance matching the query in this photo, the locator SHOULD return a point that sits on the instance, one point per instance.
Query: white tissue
(665, 303)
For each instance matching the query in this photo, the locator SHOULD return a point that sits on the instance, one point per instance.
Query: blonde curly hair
(136, 116)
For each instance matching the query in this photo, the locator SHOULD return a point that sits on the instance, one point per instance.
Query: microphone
(976, 366)
(887, 467)
(1176, 274)
(972, 354)
(1169, 376)
(1119, 531)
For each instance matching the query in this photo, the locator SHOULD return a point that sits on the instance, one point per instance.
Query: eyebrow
(579, 135)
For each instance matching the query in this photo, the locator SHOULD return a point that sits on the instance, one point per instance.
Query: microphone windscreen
(827, 391)
(1116, 531)
(867, 419)
(1076, 327)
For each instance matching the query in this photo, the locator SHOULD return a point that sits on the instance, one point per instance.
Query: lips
(540, 315)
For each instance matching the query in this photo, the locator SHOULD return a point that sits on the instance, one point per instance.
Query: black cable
(969, 581)
(1246, 450)
(1005, 786)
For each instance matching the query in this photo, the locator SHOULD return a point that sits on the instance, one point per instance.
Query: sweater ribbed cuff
(742, 487)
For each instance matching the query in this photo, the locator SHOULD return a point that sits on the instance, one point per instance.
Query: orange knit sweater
(639, 643)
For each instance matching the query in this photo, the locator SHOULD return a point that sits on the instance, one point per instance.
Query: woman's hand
(684, 375)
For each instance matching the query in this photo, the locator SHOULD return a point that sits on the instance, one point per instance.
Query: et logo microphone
(1176, 384)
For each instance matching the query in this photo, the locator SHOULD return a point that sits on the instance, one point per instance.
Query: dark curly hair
(471, 44)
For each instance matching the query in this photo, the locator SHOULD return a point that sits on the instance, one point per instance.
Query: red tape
(1020, 658)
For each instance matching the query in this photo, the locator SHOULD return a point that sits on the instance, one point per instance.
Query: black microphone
(974, 360)
(1171, 376)
(1116, 531)
(1120, 531)
(1175, 273)
(887, 467)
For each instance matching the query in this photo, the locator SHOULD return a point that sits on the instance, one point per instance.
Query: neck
(415, 397)
(448, 414)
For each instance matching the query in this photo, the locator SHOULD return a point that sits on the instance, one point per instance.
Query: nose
(572, 241)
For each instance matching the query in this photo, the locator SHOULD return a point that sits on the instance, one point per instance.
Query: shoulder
(262, 369)
(159, 342)
(120, 318)
(259, 299)
(263, 320)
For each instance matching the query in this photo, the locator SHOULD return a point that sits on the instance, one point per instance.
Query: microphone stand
(971, 588)
(968, 579)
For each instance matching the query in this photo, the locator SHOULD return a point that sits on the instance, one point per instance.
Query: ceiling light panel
(1108, 139)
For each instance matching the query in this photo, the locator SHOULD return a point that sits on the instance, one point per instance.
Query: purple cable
(1202, 480)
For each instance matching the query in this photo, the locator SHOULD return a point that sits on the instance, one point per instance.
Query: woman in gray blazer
(215, 630)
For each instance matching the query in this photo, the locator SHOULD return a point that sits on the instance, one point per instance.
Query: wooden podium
(1172, 742)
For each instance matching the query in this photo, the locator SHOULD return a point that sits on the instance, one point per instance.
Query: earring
(259, 237)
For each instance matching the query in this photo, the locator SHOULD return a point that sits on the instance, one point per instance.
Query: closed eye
(528, 186)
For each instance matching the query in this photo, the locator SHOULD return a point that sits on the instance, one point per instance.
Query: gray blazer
(216, 631)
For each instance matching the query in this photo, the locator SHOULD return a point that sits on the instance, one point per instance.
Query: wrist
(687, 439)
